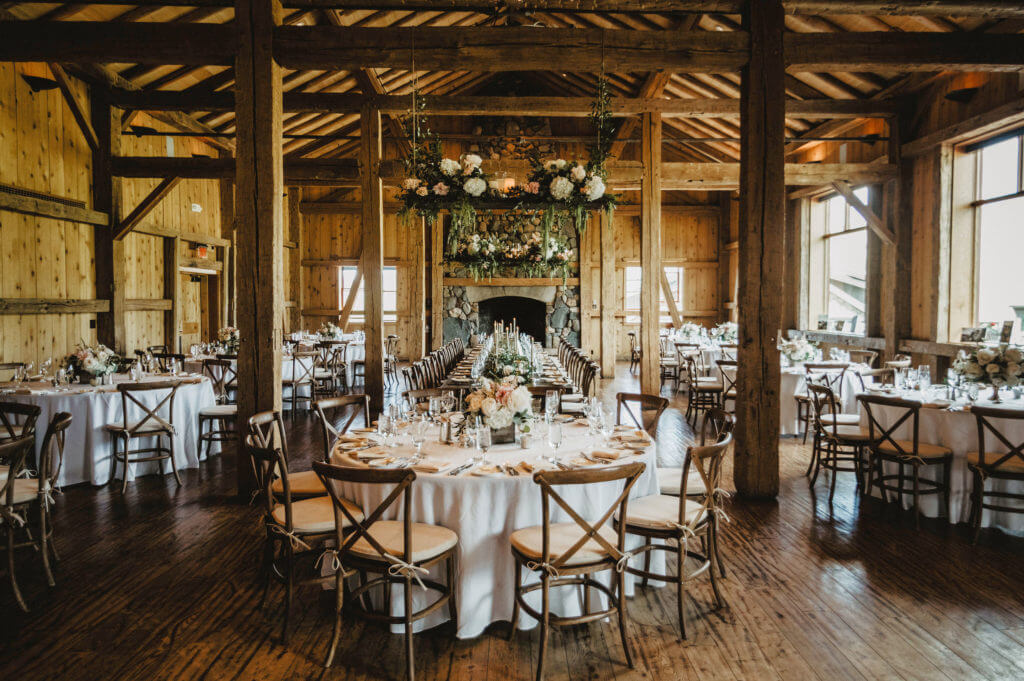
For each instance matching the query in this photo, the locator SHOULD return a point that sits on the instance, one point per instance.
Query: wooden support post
(295, 258)
(416, 272)
(259, 209)
(895, 299)
(609, 327)
(437, 284)
(762, 216)
(226, 195)
(791, 293)
(110, 265)
(172, 292)
(650, 254)
(373, 253)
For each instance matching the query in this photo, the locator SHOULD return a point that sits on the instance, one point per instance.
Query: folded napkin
(363, 430)
(486, 470)
(348, 437)
(431, 466)
(524, 467)
(371, 453)
(619, 429)
(606, 454)
(580, 462)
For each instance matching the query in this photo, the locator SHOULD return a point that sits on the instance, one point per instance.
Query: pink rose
(441, 189)
(421, 191)
(533, 187)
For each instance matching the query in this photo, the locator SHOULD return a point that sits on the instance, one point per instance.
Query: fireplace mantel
(512, 281)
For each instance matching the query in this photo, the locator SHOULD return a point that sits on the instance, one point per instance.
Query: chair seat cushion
(323, 373)
(925, 450)
(708, 385)
(661, 512)
(15, 431)
(669, 480)
(428, 541)
(314, 516)
(1011, 465)
(852, 434)
(220, 410)
(841, 419)
(529, 542)
(149, 426)
(4, 471)
(25, 490)
(302, 484)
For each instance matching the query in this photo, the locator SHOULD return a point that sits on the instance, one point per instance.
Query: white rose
(471, 161)
(1014, 355)
(550, 165)
(489, 406)
(506, 371)
(986, 355)
(500, 419)
(410, 183)
(450, 166)
(993, 368)
(560, 163)
(520, 400)
(578, 173)
(475, 186)
(561, 188)
(974, 371)
(594, 188)
(1013, 369)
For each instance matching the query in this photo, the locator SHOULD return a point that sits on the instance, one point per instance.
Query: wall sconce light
(964, 87)
(199, 249)
(37, 84)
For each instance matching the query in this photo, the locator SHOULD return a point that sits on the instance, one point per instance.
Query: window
(999, 205)
(631, 292)
(347, 275)
(846, 255)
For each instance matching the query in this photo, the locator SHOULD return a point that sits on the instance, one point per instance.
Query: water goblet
(448, 401)
(554, 440)
(419, 435)
(433, 406)
(483, 441)
(551, 403)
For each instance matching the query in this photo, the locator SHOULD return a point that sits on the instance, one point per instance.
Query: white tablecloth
(88, 451)
(794, 382)
(958, 430)
(484, 511)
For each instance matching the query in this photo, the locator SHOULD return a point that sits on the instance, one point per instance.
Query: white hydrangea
(489, 406)
(578, 173)
(471, 162)
(410, 183)
(500, 419)
(561, 188)
(475, 186)
(450, 166)
(520, 400)
(594, 188)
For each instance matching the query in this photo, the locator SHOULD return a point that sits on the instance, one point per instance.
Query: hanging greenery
(524, 253)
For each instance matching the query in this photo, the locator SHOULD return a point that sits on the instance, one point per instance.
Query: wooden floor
(161, 584)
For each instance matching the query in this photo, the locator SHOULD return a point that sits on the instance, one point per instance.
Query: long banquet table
(485, 509)
(88, 453)
(955, 427)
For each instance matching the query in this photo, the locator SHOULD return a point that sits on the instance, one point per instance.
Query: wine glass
(551, 404)
(28, 370)
(483, 441)
(419, 435)
(433, 406)
(554, 439)
(448, 401)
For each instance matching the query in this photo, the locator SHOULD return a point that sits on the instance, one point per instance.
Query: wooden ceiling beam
(337, 172)
(444, 105)
(991, 9)
(903, 52)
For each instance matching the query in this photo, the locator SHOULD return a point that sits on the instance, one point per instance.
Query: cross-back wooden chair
(899, 361)
(838, 443)
(702, 392)
(267, 431)
(419, 399)
(829, 374)
(991, 462)
(650, 408)
(11, 366)
(634, 352)
(730, 351)
(223, 376)
(728, 368)
(164, 359)
(156, 422)
(391, 358)
(332, 370)
(328, 410)
(865, 357)
(303, 365)
(17, 419)
(886, 447)
(295, 529)
(14, 452)
(399, 551)
(661, 518)
(568, 554)
(220, 418)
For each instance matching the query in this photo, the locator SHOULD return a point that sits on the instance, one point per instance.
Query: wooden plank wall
(690, 239)
(42, 150)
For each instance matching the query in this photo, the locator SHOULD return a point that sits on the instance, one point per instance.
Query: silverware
(463, 467)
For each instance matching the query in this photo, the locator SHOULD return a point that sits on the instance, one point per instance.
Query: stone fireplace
(547, 313)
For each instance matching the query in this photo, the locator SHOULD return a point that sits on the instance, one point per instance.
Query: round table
(958, 430)
(484, 511)
(89, 448)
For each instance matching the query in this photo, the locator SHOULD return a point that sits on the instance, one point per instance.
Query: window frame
(358, 314)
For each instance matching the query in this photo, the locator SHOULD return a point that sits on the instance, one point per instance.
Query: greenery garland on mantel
(556, 189)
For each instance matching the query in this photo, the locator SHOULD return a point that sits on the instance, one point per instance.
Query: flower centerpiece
(690, 331)
(502, 365)
(97, 362)
(998, 366)
(435, 183)
(726, 332)
(329, 331)
(228, 338)
(501, 405)
(798, 350)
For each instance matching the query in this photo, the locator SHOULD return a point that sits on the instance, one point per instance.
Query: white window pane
(390, 300)
(862, 193)
(1001, 240)
(1000, 166)
(390, 278)
(847, 264)
(836, 209)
